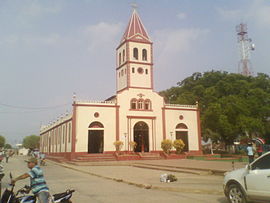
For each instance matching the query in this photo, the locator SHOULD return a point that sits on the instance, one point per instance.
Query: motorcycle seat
(60, 195)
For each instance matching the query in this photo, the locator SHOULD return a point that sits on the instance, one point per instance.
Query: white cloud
(51, 39)
(177, 41)
(102, 35)
(10, 40)
(261, 12)
(36, 8)
(181, 15)
(229, 14)
(258, 11)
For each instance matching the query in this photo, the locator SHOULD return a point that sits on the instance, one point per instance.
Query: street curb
(144, 185)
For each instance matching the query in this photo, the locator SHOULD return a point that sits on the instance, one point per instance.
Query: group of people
(5, 154)
(252, 150)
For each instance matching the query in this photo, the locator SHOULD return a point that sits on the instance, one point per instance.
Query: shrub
(132, 145)
(178, 145)
(166, 146)
(118, 145)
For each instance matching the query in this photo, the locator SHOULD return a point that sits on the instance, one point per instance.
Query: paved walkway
(194, 176)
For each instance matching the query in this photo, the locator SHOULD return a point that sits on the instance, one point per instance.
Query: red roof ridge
(135, 27)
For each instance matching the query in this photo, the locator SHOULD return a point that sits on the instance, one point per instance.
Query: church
(136, 113)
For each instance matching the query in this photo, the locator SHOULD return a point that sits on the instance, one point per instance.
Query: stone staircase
(95, 157)
(149, 156)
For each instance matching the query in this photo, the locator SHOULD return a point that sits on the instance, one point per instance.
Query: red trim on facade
(166, 108)
(135, 62)
(163, 124)
(73, 140)
(128, 65)
(66, 137)
(142, 117)
(153, 142)
(56, 137)
(141, 110)
(152, 79)
(96, 105)
(151, 68)
(199, 130)
(130, 40)
(117, 123)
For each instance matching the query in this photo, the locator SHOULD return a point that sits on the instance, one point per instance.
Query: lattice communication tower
(245, 45)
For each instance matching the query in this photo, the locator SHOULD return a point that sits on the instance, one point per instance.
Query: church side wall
(85, 116)
(173, 117)
(57, 139)
(122, 75)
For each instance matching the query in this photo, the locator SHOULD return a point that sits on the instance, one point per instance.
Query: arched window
(147, 104)
(133, 104)
(95, 124)
(124, 55)
(181, 126)
(146, 71)
(144, 55)
(140, 104)
(119, 58)
(135, 53)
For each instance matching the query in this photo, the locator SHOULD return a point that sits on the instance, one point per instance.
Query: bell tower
(134, 66)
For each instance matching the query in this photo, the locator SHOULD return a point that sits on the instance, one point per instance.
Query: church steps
(150, 156)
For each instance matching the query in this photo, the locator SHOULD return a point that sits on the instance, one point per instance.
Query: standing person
(2, 154)
(7, 156)
(42, 159)
(250, 152)
(37, 182)
(259, 150)
(2, 174)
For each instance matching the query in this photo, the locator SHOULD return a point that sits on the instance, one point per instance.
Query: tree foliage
(231, 105)
(31, 142)
(8, 146)
(2, 141)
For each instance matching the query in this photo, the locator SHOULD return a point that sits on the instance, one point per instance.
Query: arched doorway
(141, 137)
(181, 132)
(95, 138)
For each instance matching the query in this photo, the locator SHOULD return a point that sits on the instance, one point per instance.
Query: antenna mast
(245, 45)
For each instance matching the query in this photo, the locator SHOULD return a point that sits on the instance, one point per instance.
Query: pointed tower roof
(135, 29)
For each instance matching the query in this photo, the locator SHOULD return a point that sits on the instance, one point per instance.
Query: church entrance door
(95, 141)
(141, 137)
(183, 135)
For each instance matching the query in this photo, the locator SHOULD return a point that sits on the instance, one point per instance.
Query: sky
(54, 48)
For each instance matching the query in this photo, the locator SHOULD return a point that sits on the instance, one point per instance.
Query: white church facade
(136, 113)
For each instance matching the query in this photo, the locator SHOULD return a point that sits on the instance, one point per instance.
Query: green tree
(8, 146)
(2, 141)
(231, 105)
(31, 142)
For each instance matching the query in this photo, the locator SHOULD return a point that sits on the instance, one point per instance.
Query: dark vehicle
(23, 196)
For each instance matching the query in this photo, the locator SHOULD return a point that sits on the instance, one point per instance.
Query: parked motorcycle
(23, 196)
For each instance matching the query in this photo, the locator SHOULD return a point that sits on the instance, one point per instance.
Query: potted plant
(178, 145)
(118, 145)
(166, 146)
(132, 145)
